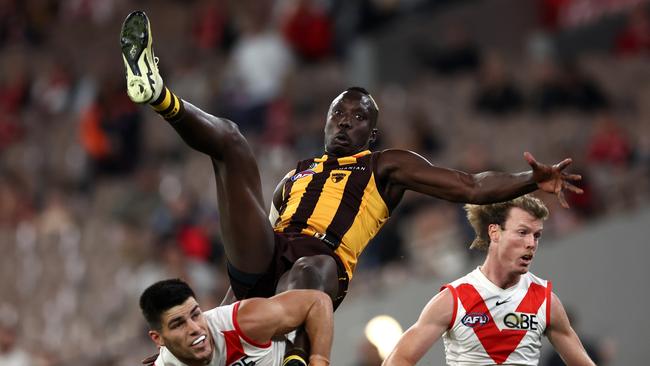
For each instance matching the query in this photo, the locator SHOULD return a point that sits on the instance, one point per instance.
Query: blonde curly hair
(481, 216)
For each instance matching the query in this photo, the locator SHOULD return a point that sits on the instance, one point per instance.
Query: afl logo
(337, 177)
(474, 319)
(304, 173)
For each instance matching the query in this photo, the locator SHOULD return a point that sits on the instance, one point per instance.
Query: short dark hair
(162, 296)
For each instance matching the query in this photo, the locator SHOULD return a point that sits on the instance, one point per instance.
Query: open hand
(553, 179)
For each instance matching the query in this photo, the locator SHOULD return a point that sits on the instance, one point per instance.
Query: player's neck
(497, 275)
(202, 362)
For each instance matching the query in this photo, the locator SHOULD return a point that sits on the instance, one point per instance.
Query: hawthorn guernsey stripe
(168, 105)
(335, 200)
(310, 198)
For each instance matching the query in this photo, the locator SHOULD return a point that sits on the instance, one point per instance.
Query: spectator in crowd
(634, 38)
(457, 52)
(566, 87)
(308, 29)
(10, 353)
(497, 93)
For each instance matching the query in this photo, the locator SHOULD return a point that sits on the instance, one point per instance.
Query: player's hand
(553, 179)
(149, 361)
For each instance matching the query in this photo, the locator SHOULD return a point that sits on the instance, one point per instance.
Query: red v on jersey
(499, 344)
(234, 348)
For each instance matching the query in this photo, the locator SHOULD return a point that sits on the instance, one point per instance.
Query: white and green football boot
(143, 80)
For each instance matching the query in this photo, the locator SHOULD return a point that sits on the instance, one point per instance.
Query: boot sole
(134, 38)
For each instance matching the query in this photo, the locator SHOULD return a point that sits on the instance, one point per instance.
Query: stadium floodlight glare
(383, 332)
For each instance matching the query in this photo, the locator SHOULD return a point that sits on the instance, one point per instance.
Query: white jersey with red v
(232, 347)
(491, 325)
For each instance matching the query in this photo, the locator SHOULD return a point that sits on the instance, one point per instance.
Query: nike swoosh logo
(502, 302)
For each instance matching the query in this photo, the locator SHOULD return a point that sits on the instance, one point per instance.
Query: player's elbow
(473, 191)
(468, 190)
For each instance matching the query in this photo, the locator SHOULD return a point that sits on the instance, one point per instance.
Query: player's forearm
(319, 325)
(572, 351)
(396, 358)
(490, 187)
(204, 132)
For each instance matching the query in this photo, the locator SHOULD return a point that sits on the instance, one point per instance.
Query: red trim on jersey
(454, 294)
(549, 294)
(498, 344)
(533, 299)
(241, 334)
(234, 348)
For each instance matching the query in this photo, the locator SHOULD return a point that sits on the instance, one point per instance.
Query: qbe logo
(521, 321)
(475, 319)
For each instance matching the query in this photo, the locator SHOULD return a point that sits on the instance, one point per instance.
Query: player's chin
(204, 354)
(523, 269)
(340, 148)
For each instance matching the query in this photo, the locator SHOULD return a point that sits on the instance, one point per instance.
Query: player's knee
(306, 268)
(314, 272)
(235, 147)
(230, 131)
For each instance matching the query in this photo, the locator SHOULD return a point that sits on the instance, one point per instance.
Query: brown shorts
(288, 249)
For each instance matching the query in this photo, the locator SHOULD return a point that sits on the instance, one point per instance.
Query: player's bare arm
(430, 326)
(261, 319)
(564, 339)
(399, 170)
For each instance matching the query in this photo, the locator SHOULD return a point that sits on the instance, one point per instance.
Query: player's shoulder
(531, 277)
(389, 153)
(221, 316)
(395, 158)
(471, 278)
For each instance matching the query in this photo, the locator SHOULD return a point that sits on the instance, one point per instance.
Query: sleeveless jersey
(232, 347)
(491, 325)
(335, 200)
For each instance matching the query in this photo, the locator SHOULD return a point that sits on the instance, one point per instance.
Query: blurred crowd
(99, 197)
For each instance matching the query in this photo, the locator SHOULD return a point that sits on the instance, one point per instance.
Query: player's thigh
(247, 234)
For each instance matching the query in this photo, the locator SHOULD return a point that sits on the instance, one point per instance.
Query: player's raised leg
(247, 234)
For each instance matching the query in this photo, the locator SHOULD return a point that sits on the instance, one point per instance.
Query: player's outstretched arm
(399, 170)
(564, 339)
(261, 319)
(431, 324)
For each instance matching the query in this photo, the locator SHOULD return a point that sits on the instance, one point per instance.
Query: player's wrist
(318, 360)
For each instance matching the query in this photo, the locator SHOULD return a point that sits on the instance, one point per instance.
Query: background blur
(99, 198)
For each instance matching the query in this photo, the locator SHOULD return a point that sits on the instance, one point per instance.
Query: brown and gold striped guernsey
(335, 200)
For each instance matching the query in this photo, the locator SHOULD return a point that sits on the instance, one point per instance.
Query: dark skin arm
(399, 170)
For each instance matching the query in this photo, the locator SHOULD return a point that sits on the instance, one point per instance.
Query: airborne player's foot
(144, 84)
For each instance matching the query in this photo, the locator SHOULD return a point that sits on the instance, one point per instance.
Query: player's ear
(156, 338)
(494, 232)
